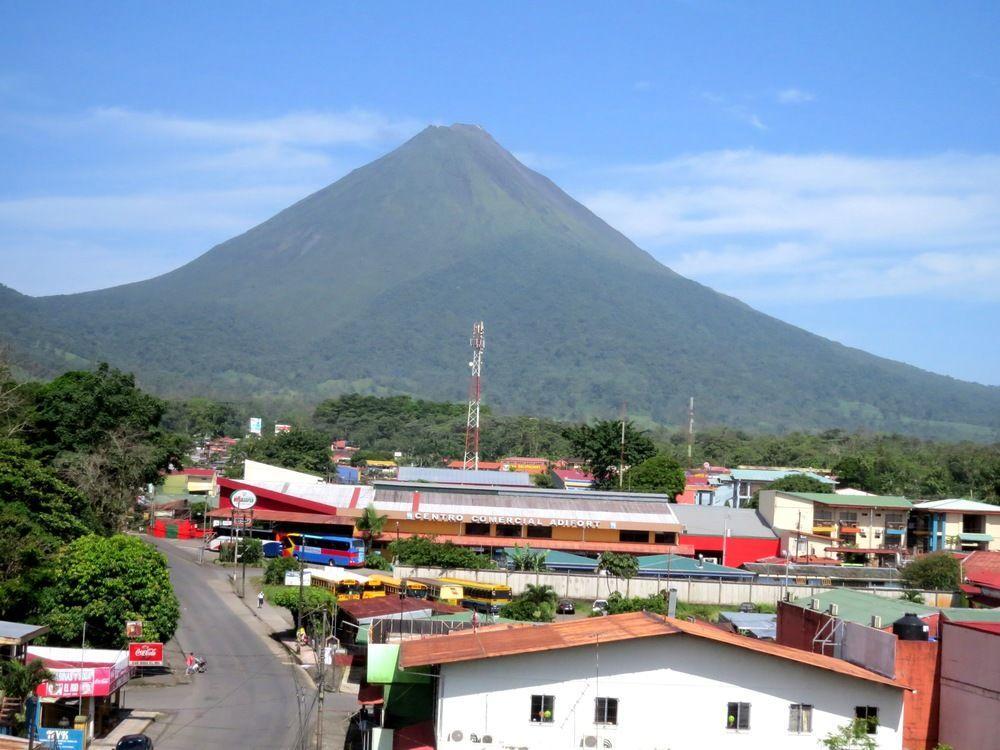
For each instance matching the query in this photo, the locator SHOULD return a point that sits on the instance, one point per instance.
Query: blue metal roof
(460, 476)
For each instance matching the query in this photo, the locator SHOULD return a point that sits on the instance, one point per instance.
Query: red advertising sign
(85, 681)
(133, 629)
(145, 654)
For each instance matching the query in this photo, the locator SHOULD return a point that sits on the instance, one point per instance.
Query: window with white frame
(868, 715)
(738, 716)
(800, 718)
(605, 710)
(542, 708)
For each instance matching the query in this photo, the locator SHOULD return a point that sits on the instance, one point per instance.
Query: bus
(374, 587)
(343, 584)
(481, 596)
(449, 593)
(344, 551)
(396, 587)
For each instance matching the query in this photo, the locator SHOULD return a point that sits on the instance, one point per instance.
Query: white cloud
(795, 96)
(227, 211)
(737, 110)
(756, 224)
(353, 127)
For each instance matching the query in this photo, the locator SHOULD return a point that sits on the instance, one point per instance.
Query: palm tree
(525, 558)
(18, 681)
(370, 524)
(539, 594)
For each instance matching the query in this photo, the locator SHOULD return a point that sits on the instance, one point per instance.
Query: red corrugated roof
(575, 474)
(473, 645)
(414, 737)
(986, 627)
(195, 472)
(982, 568)
(381, 606)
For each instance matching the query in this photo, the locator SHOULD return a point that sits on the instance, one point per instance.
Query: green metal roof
(975, 537)
(857, 606)
(558, 557)
(679, 564)
(964, 614)
(863, 501)
(383, 666)
(466, 616)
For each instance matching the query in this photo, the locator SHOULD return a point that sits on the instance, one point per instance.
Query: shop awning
(975, 537)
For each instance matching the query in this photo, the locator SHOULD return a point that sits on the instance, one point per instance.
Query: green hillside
(372, 285)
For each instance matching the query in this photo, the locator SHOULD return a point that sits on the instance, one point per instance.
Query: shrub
(425, 552)
(375, 561)
(274, 571)
(529, 611)
(938, 571)
(251, 551)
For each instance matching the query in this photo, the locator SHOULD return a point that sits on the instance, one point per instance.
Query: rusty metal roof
(472, 645)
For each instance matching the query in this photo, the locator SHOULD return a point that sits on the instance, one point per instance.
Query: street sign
(133, 629)
(145, 654)
(243, 520)
(243, 499)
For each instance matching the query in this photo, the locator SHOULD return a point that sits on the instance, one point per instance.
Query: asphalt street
(248, 698)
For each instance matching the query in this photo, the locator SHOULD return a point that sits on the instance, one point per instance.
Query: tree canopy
(938, 571)
(660, 473)
(299, 449)
(106, 581)
(600, 445)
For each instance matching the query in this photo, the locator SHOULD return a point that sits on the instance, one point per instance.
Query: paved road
(248, 697)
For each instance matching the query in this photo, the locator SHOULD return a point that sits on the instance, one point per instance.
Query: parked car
(134, 742)
(565, 607)
(601, 606)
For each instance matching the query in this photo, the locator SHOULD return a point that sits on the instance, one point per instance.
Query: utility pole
(298, 614)
(621, 455)
(322, 686)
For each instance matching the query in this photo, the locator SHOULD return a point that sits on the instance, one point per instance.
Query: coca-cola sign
(145, 654)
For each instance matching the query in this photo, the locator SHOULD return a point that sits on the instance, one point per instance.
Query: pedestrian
(260, 600)
(475, 619)
(190, 662)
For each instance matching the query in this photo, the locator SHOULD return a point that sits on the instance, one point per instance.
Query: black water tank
(909, 627)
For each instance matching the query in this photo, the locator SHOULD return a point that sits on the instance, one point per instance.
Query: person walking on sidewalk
(260, 600)
(190, 663)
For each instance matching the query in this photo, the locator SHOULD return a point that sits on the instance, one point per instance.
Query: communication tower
(478, 342)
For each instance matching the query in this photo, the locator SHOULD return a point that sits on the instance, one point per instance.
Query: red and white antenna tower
(478, 342)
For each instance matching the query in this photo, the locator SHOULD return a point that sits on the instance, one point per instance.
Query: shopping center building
(484, 518)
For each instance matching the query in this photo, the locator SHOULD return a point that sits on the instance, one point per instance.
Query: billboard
(61, 739)
(85, 681)
(278, 428)
(256, 424)
(133, 629)
(145, 654)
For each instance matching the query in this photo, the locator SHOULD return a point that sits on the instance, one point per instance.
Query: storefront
(81, 700)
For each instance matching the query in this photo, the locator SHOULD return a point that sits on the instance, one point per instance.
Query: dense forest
(428, 432)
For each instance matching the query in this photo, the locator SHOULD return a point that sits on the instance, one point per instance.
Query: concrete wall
(782, 511)
(672, 691)
(970, 688)
(586, 586)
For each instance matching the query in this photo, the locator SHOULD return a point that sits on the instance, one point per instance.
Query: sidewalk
(136, 723)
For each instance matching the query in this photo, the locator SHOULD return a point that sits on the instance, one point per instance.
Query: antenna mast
(478, 343)
(690, 430)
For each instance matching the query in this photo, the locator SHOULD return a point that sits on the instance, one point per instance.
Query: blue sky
(836, 165)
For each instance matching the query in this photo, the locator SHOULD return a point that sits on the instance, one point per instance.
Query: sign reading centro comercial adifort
(578, 523)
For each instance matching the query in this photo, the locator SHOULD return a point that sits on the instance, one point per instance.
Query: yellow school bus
(481, 596)
(440, 591)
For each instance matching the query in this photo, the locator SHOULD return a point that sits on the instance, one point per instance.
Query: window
(627, 535)
(665, 537)
(508, 530)
(539, 532)
(605, 710)
(477, 529)
(869, 715)
(542, 708)
(800, 718)
(738, 716)
(849, 517)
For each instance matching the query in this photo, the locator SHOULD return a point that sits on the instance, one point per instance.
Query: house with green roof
(861, 529)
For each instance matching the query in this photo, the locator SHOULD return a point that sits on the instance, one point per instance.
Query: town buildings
(851, 528)
(643, 682)
(957, 524)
